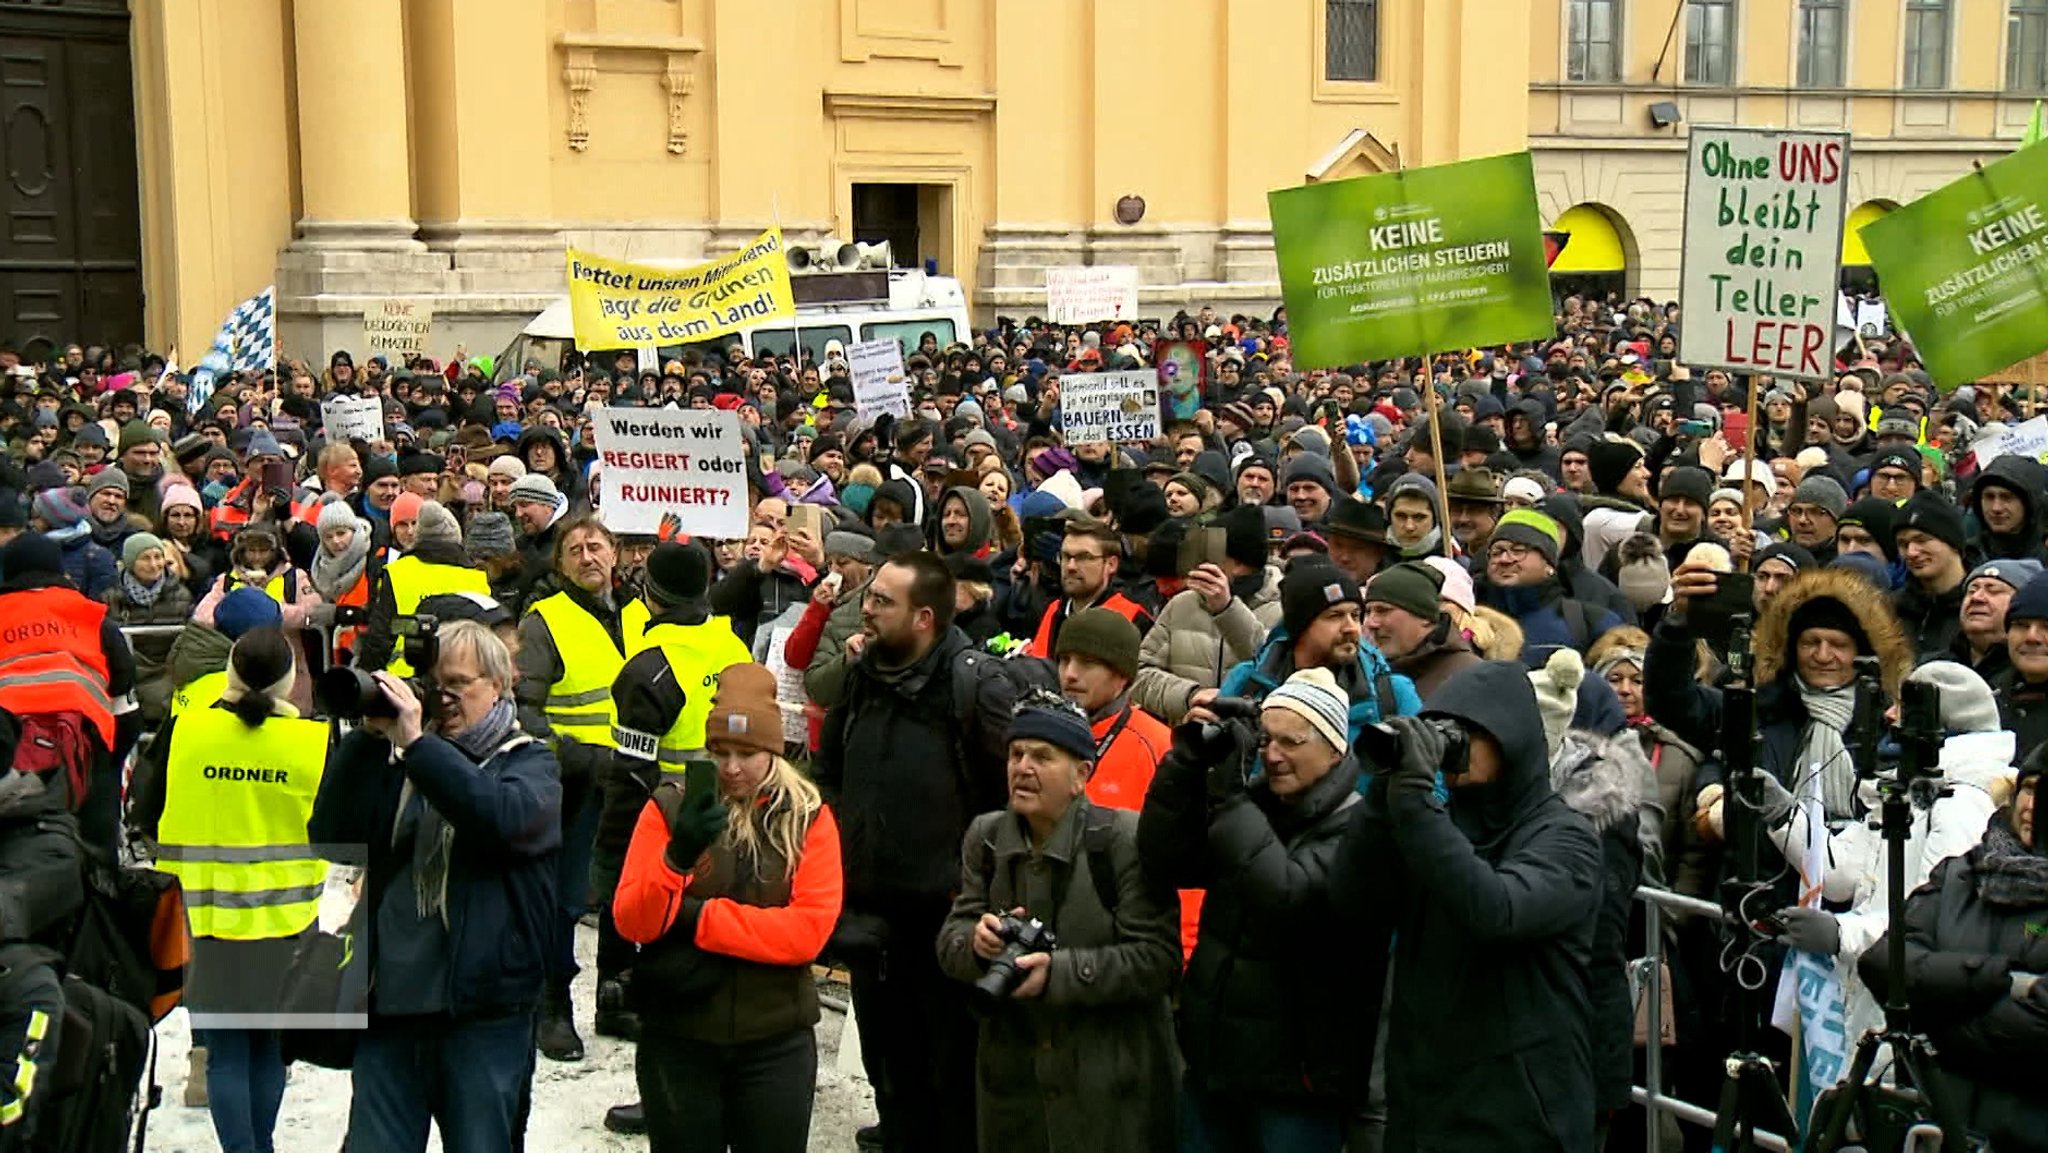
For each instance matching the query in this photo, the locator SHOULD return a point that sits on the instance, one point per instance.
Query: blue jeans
(244, 1086)
(1210, 1123)
(467, 1077)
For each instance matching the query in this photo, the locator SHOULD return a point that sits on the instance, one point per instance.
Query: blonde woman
(731, 887)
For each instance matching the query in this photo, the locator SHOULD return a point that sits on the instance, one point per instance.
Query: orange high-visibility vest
(50, 656)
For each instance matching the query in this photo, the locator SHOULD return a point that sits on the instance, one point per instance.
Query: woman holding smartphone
(731, 887)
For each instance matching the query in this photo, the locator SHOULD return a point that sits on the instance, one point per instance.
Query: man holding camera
(1492, 884)
(1322, 617)
(1065, 942)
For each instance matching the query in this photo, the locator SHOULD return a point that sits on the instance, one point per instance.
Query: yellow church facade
(351, 151)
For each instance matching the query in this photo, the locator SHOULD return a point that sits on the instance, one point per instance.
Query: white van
(847, 307)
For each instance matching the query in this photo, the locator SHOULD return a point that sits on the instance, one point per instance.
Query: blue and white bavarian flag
(247, 340)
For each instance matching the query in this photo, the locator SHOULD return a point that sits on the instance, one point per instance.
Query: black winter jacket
(2026, 479)
(1496, 893)
(1282, 995)
(1975, 923)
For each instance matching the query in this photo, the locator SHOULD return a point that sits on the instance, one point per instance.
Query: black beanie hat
(678, 573)
(1244, 535)
(1876, 516)
(1688, 482)
(13, 509)
(1143, 509)
(1930, 513)
(829, 442)
(1826, 613)
(1609, 462)
(1311, 588)
(31, 552)
(1103, 634)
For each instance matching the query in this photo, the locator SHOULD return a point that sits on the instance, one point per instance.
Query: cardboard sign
(1763, 249)
(347, 418)
(398, 328)
(1109, 407)
(1082, 294)
(674, 469)
(2029, 439)
(1962, 268)
(879, 383)
(790, 697)
(1412, 262)
(616, 304)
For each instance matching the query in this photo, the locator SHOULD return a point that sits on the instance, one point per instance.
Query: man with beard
(1091, 553)
(1254, 480)
(142, 462)
(1987, 594)
(106, 508)
(1322, 625)
(2023, 688)
(1356, 533)
(1475, 504)
(2007, 501)
(906, 764)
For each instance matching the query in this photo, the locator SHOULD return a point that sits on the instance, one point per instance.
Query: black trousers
(917, 1032)
(749, 1098)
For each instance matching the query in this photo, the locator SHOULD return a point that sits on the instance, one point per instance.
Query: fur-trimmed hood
(1603, 779)
(1774, 647)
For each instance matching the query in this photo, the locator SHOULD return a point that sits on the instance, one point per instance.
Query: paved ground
(569, 1100)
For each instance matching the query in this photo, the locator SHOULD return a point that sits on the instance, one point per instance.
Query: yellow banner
(617, 304)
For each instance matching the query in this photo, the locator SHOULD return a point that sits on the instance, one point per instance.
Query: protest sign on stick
(879, 384)
(1763, 250)
(1082, 294)
(1445, 257)
(1109, 407)
(1965, 269)
(680, 465)
(619, 304)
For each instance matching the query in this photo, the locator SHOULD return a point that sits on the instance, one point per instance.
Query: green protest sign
(1963, 268)
(1421, 260)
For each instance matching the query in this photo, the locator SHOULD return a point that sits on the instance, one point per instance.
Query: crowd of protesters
(1281, 783)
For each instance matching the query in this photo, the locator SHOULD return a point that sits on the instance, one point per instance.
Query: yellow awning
(1853, 252)
(1594, 245)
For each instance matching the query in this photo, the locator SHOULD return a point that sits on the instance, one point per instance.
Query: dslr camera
(1020, 935)
(350, 694)
(1381, 743)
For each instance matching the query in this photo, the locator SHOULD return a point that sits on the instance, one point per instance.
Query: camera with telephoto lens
(349, 694)
(1020, 936)
(1381, 744)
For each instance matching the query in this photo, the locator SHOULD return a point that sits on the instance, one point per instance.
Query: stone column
(354, 166)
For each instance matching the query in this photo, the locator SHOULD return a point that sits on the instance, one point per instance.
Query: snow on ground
(569, 1100)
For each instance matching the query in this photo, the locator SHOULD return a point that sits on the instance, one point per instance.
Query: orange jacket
(650, 895)
(1136, 742)
(51, 660)
(1055, 615)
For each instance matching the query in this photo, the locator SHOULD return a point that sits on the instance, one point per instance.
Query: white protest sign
(663, 463)
(1112, 407)
(398, 327)
(347, 418)
(1870, 318)
(2029, 440)
(1100, 292)
(790, 697)
(879, 384)
(1763, 248)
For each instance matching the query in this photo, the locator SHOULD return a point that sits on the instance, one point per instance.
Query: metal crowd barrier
(1653, 1099)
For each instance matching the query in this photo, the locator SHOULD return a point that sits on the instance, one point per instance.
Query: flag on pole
(247, 340)
(2035, 129)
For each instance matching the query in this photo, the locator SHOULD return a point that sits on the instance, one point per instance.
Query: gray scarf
(2008, 873)
(433, 843)
(333, 575)
(1828, 713)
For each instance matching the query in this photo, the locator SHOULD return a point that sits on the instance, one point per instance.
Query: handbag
(1667, 1024)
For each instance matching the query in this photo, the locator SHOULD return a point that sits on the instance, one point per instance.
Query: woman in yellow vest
(235, 784)
(435, 564)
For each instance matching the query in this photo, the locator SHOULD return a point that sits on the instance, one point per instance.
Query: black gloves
(694, 824)
(1422, 750)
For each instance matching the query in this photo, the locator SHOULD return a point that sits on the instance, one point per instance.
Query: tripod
(1920, 1087)
(1750, 1097)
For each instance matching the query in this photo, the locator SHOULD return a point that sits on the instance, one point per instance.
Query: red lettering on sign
(1777, 346)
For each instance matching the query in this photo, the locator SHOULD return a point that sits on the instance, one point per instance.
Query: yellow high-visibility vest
(199, 692)
(414, 580)
(236, 801)
(579, 704)
(698, 654)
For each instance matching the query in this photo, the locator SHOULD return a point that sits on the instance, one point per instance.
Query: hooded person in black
(1493, 894)
(2006, 532)
(1524, 438)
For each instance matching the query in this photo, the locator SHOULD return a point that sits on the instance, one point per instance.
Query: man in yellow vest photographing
(571, 648)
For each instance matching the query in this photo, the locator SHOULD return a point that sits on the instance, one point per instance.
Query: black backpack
(104, 1052)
